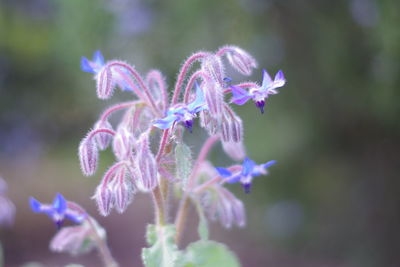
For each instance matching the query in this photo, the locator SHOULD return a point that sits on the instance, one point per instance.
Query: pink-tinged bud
(243, 62)
(213, 67)
(104, 197)
(208, 122)
(235, 150)
(146, 165)
(103, 140)
(231, 127)
(213, 93)
(123, 144)
(239, 214)
(123, 190)
(88, 156)
(74, 240)
(105, 84)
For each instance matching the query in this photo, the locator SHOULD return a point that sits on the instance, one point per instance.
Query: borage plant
(152, 121)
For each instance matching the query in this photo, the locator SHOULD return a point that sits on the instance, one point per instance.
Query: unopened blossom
(7, 208)
(183, 113)
(58, 211)
(259, 94)
(245, 176)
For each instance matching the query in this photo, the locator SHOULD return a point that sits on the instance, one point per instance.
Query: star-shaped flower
(97, 64)
(183, 113)
(249, 170)
(57, 211)
(259, 94)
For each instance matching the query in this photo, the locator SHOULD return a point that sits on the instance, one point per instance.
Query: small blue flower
(97, 64)
(183, 113)
(249, 170)
(241, 96)
(57, 211)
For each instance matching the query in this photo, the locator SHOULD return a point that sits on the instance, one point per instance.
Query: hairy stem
(181, 217)
(117, 107)
(182, 74)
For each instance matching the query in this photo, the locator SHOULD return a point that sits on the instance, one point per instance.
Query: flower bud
(123, 191)
(7, 211)
(213, 67)
(88, 156)
(105, 84)
(231, 127)
(73, 240)
(103, 140)
(235, 150)
(213, 93)
(146, 165)
(104, 198)
(208, 122)
(123, 144)
(241, 60)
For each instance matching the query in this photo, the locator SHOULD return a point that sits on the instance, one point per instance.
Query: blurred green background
(333, 199)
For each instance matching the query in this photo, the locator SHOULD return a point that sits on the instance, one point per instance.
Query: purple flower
(57, 211)
(259, 94)
(249, 170)
(183, 113)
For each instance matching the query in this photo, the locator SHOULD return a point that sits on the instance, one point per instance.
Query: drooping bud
(213, 93)
(88, 156)
(213, 67)
(123, 144)
(123, 190)
(236, 206)
(103, 140)
(74, 240)
(104, 198)
(231, 126)
(242, 61)
(208, 122)
(146, 165)
(105, 84)
(235, 150)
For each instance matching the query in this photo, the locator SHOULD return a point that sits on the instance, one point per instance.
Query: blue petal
(269, 164)
(199, 102)
(279, 79)
(75, 218)
(248, 166)
(35, 205)
(267, 81)
(234, 179)
(240, 96)
(166, 122)
(223, 172)
(60, 204)
(85, 65)
(98, 58)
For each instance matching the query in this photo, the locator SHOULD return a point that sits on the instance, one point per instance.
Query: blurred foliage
(332, 200)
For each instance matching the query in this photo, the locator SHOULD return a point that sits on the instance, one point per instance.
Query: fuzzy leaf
(205, 253)
(183, 157)
(163, 251)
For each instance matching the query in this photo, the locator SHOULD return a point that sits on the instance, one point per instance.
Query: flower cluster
(197, 93)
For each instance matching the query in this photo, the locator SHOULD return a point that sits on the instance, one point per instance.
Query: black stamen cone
(260, 105)
(189, 125)
(247, 188)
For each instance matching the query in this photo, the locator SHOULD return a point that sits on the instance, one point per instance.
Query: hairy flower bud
(123, 144)
(103, 140)
(231, 127)
(123, 190)
(105, 84)
(235, 150)
(146, 165)
(208, 122)
(213, 93)
(104, 198)
(213, 67)
(88, 156)
(241, 60)
(74, 240)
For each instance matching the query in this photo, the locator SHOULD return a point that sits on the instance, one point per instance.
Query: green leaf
(203, 223)
(163, 251)
(205, 253)
(183, 157)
